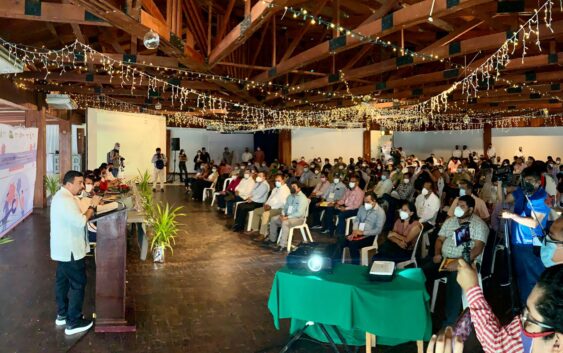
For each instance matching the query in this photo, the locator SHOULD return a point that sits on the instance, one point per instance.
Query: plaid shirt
(352, 199)
(493, 337)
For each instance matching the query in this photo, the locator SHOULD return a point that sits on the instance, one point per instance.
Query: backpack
(109, 157)
(159, 164)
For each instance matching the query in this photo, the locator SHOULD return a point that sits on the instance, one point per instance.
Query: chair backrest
(226, 183)
(413, 256)
(307, 211)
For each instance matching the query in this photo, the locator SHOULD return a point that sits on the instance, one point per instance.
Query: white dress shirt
(427, 208)
(245, 187)
(246, 156)
(456, 153)
(278, 197)
(68, 232)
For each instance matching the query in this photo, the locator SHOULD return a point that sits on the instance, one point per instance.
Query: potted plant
(52, 185)
(5, 240)
(165, 228)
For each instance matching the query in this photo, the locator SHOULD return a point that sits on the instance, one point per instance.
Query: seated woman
(401, 240)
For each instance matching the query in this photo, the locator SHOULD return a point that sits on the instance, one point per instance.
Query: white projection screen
(330, 143)
(138, 134)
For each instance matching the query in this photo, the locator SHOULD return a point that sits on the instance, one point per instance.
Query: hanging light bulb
(151, 40)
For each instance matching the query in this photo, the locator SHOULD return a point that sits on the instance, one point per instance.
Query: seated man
(385, 185)
(427, 206)
(367, 225)
(273, 207)
(294, 213)
(256, 199)
(335, 192)
(229, 193)
(344, 208)
(320, 188)
(309, 179)
(446, 248)
(242, 191)
(481, 210)
(404, 189)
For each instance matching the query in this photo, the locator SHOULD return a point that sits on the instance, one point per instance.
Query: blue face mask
(547, 253)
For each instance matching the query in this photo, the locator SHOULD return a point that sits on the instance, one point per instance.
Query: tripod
(172, 177)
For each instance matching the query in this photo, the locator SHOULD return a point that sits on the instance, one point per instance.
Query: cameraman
(446, 248)
(528, 220)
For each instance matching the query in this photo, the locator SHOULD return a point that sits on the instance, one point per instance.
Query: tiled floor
(209, 296)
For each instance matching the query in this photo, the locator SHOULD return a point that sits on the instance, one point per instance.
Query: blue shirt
(520, 234)
(296, 206)
(260, 192)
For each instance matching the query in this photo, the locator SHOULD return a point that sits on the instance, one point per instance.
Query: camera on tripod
(504, 174)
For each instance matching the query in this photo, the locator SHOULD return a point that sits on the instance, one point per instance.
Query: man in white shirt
(456, 152)
(242, 191)
(159, 162)
(385, 185)
(427, 206)
(520, 152)
(273, 207)
(69, 245)
(464, 152)
(246, 156)
(491, 152)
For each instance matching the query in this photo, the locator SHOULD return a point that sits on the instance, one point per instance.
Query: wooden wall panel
(34, 118)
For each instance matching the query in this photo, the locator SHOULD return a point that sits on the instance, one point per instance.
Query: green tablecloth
(396, 311)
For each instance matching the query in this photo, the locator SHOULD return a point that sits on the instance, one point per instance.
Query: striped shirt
(493, 337)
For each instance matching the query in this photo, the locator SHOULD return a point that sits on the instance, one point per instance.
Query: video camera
(504, 174)
(463, 237)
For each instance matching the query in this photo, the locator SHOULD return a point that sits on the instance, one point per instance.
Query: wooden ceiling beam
(50, 12)
(224, 24)
(259, 14)
(153, 9)
(403, 18)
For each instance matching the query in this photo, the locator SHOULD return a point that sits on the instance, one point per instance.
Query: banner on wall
(18, 156)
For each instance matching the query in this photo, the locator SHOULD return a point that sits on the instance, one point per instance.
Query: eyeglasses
(531, 331)
(549, 239)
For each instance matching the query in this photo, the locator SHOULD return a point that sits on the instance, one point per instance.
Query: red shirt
(103, 185)
(493, 337)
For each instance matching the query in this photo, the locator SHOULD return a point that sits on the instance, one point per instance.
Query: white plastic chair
(209, 189)
(303, 228)
(412, 260)
(225, 185)
(235, 210)
(349, 221)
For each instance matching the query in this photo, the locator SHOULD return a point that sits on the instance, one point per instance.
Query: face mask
(368, 206)
(336, 180)
(528, 188)
(378, 167)
(403, 215)
(317, 172)
(242, 168)
(558, 162)
(383, 177)
(305, 169)
(458, 212)
(548, 253)
(259, 179)
(461, 192)
(293, 191)
(88, 187)
(278, 184)
(249, 164)
(214, 170)
(341, 167)
(459, 171)
(406, 181)
(352, 185)
(425, 192)
(323, 179)
(246, 176)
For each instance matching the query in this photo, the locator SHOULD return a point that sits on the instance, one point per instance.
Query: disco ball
(151, 40)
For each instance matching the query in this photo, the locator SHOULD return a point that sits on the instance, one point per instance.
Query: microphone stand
(511, 279)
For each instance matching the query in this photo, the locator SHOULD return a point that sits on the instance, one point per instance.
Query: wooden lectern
(111, 258)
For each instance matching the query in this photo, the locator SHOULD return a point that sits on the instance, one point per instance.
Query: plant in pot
(165, 228)
(5, 240)
(52, 185)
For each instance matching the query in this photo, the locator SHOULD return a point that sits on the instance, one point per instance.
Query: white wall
(538, 142)
(442, 143)
(192, 140)
(329, 143)
(138, 134)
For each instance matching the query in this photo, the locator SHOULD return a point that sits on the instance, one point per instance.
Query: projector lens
(315, 263)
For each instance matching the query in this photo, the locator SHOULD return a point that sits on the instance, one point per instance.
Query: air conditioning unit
(61, 101)
(9, 64)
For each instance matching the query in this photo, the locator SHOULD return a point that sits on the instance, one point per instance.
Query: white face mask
(323, 179)
(406, 181)
(368, 206)
(317, 172)
(88, 187)
(458, 212)
(278, 184)
(383, 177)
(462, 192)
(259, 179)
(403, 215)
(425, 192)
(336, 180)
(214, 170)
(246, 176)
(305, 169)
(352, 185)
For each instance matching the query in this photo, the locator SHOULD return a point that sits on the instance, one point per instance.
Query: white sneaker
(81, 326)
(60, 321)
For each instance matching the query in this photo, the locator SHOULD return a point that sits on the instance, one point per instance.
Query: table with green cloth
(395, 312)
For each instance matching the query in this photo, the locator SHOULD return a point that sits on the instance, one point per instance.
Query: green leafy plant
(145, 192)
(52, 184)
(5, 240)
(165, 226)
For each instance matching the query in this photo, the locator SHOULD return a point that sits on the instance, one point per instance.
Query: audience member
(294, 213)
(344, 208)
(427, 206)
(259, 156)
(242, 191)
(257, 198)
(273, 207)
(466, 188)
(334, 193)
(385, 186)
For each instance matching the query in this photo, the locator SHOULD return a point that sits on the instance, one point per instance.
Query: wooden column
(65, 147)
(81, 147)
(367, 145)
(487, 137)
(35, 118)
(168, 155)
(284, 147)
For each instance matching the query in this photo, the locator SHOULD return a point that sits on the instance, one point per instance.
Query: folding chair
(412, 260)
(206, 190)
(225, 185)
(303, 228)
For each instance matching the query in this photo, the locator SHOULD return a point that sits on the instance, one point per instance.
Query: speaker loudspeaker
(175, 144)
